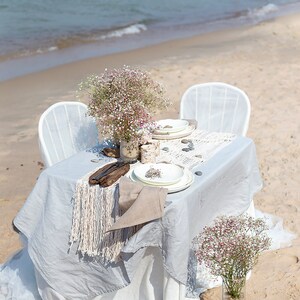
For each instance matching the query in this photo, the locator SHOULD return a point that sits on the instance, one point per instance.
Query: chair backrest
(65, 129)
(217, 107)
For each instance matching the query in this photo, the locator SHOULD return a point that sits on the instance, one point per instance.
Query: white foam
(132, 29)
(53, 48)
(263, 11)
(41, 50)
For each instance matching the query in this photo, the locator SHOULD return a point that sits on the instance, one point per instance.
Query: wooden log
(113, 176)
(105, 171)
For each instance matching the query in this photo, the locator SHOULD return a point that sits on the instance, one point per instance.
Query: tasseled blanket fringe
(94, 212)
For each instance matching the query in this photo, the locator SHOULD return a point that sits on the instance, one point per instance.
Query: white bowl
(186, 181)
(171, 125)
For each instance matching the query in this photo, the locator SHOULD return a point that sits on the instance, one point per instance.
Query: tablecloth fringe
(95, 210)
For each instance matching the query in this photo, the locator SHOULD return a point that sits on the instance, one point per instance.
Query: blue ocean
(33, 27)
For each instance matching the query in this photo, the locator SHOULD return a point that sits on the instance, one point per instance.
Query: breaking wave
(132, 29)
(263, 11)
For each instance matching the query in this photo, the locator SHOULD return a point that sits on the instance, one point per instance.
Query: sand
(263, 60)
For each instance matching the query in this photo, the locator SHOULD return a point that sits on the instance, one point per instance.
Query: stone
(198, 173)
(185, 141)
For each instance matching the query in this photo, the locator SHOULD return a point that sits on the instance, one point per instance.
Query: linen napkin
(109, 174)
(138, 203)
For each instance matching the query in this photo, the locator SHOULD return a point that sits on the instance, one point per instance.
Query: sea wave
(132, 29)
(49, 49)
(74, 40)
(263, 11)
(26, 53)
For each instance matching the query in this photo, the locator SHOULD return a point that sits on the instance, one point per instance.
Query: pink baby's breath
(230, 248)
(123, 102)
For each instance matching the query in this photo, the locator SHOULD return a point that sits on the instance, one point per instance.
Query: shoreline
(262, 60)
(14, 65)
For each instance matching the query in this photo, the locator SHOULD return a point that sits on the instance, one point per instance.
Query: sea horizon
(143, 27)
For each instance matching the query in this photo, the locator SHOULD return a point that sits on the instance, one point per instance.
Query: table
(229, 180)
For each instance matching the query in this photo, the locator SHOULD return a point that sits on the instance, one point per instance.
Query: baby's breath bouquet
(230, 248)
(123, 102)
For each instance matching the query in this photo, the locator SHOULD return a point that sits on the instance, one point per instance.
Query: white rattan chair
(217, 107)
(65, 129)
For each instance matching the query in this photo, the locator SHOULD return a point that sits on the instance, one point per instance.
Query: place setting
(168, 129)
(167, 175)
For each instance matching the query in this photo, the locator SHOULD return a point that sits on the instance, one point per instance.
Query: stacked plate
(170, 176)
(172, 129)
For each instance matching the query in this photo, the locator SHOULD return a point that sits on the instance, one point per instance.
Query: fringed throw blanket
(95, 211)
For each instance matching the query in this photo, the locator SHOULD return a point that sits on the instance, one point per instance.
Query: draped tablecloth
(229, 180)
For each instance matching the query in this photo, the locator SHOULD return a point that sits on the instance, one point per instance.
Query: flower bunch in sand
(231, 247)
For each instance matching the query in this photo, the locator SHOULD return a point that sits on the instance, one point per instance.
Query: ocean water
(34, 27)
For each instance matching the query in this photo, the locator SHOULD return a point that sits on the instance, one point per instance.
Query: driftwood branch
(109, 174)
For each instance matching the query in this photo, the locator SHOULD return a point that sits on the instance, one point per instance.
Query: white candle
(148, 154)
(156, 145)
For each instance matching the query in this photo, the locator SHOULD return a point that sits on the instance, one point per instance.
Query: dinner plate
(174, 135)
(186, 181)
(167, 126)
(158, 174)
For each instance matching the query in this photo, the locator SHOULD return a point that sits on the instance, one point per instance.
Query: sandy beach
(263, 60)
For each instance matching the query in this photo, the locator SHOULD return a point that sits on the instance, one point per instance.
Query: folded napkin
(109, 174)
(138, 203)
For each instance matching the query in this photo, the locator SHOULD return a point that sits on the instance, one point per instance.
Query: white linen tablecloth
(229, 180)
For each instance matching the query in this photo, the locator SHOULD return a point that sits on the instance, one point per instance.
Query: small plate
(174, 135)
(186, 181)
(169, 173)
(171, 125)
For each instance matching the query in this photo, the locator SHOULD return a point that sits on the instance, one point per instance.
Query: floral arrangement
(123, 102)
(230, 248)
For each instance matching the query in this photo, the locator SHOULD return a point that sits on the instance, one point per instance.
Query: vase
(129, 151)
(234, 289)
